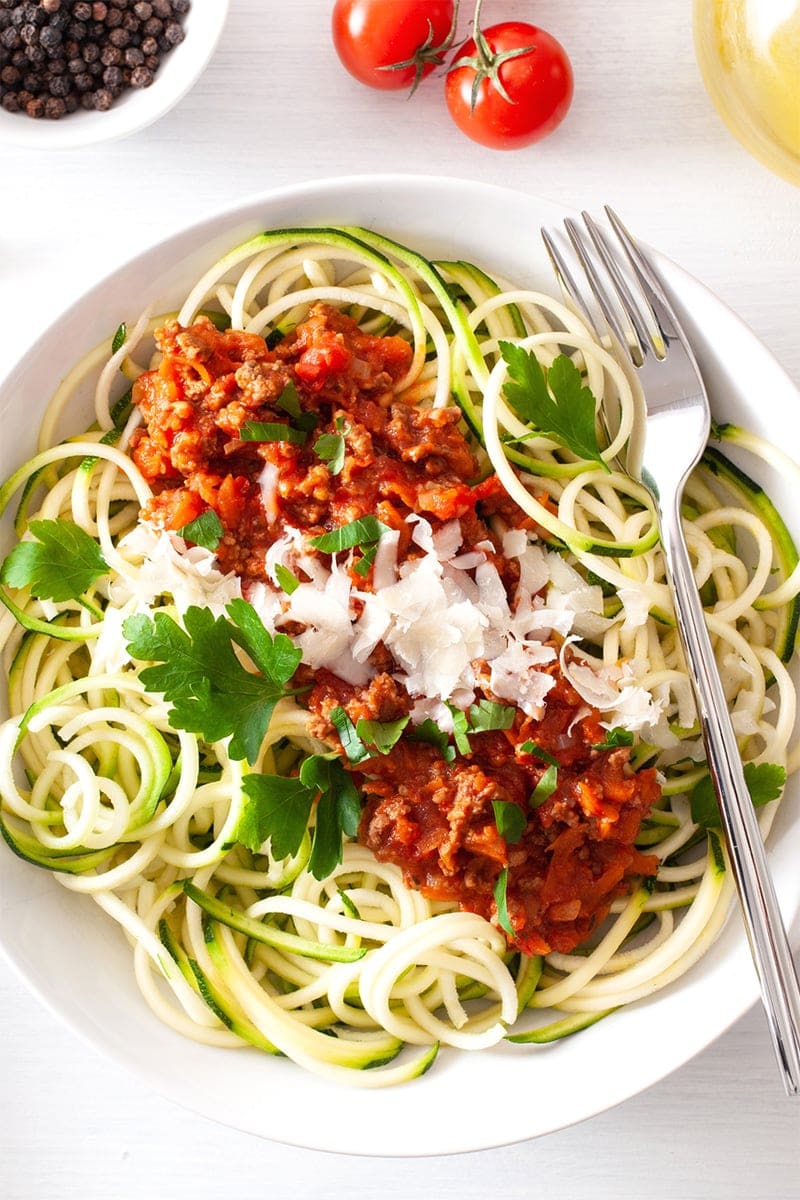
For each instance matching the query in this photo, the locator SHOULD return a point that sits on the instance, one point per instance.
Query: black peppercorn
(174, 33)
(141, 77)
(60, 55)
(50, 39)
(102, 99)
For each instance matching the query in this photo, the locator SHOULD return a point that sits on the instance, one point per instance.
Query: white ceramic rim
(468, 1102)
(177, 74)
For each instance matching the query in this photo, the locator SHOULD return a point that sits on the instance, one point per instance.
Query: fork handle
(766, 932)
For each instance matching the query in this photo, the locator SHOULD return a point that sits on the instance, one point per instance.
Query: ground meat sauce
(433, 818)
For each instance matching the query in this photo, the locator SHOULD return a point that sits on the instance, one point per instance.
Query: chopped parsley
(197, 670)
(383, 735)
(361, 533)
(615, 737)
(330, 447)
(480, 718)
(205, 530)
(765, 782)
(289, 402)
(272, 431)
(429, 732)
(553, 400)
(500, 899)
(510, 820)
(364, 564)
(537, 752)
(286, 579)
(60, 563)
(460, 730)
(488, 714)
(296, 430)
(545, 787)
(352, 744)
(366, 738)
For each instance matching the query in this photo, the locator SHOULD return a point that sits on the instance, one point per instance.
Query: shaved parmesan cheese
(384, 570)
(189, 575)
(325, 613)
(636, 606)
(422, 532)
(569, 592)
(268, 482)
(613, 690)
(515, 543)
(514, 676)
(447, 540)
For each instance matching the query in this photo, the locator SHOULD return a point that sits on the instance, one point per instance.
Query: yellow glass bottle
(749, 56)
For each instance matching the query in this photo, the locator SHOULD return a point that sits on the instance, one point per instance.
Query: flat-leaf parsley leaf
(554, 400)
(197, 670)
(60, 564)
(278, 810)
(765, 782)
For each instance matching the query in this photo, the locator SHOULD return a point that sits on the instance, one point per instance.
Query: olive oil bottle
(749, 56)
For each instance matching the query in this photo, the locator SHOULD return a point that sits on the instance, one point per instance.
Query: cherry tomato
(503, 98)
(392, 43)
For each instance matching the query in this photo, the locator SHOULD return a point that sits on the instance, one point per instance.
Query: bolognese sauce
(431, 813)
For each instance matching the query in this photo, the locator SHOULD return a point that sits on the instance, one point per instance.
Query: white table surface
(275, 108)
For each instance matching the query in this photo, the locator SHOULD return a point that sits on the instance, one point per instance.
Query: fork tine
(630, 303)
(597, 286)
(567, 281)
(665, 315)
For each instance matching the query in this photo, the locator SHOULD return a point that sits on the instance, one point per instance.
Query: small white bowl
(136, 108)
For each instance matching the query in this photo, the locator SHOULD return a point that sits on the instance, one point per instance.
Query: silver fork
(627, 288)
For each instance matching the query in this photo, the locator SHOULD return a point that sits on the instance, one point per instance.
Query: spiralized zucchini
(235, 949)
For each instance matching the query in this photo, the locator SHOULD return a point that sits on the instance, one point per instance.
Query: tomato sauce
(210, 384)
(432, 817)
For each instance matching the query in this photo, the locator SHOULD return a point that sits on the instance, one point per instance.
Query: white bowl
(78, 961)
(136, 108)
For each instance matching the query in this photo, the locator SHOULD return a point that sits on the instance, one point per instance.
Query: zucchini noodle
(237, 948)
